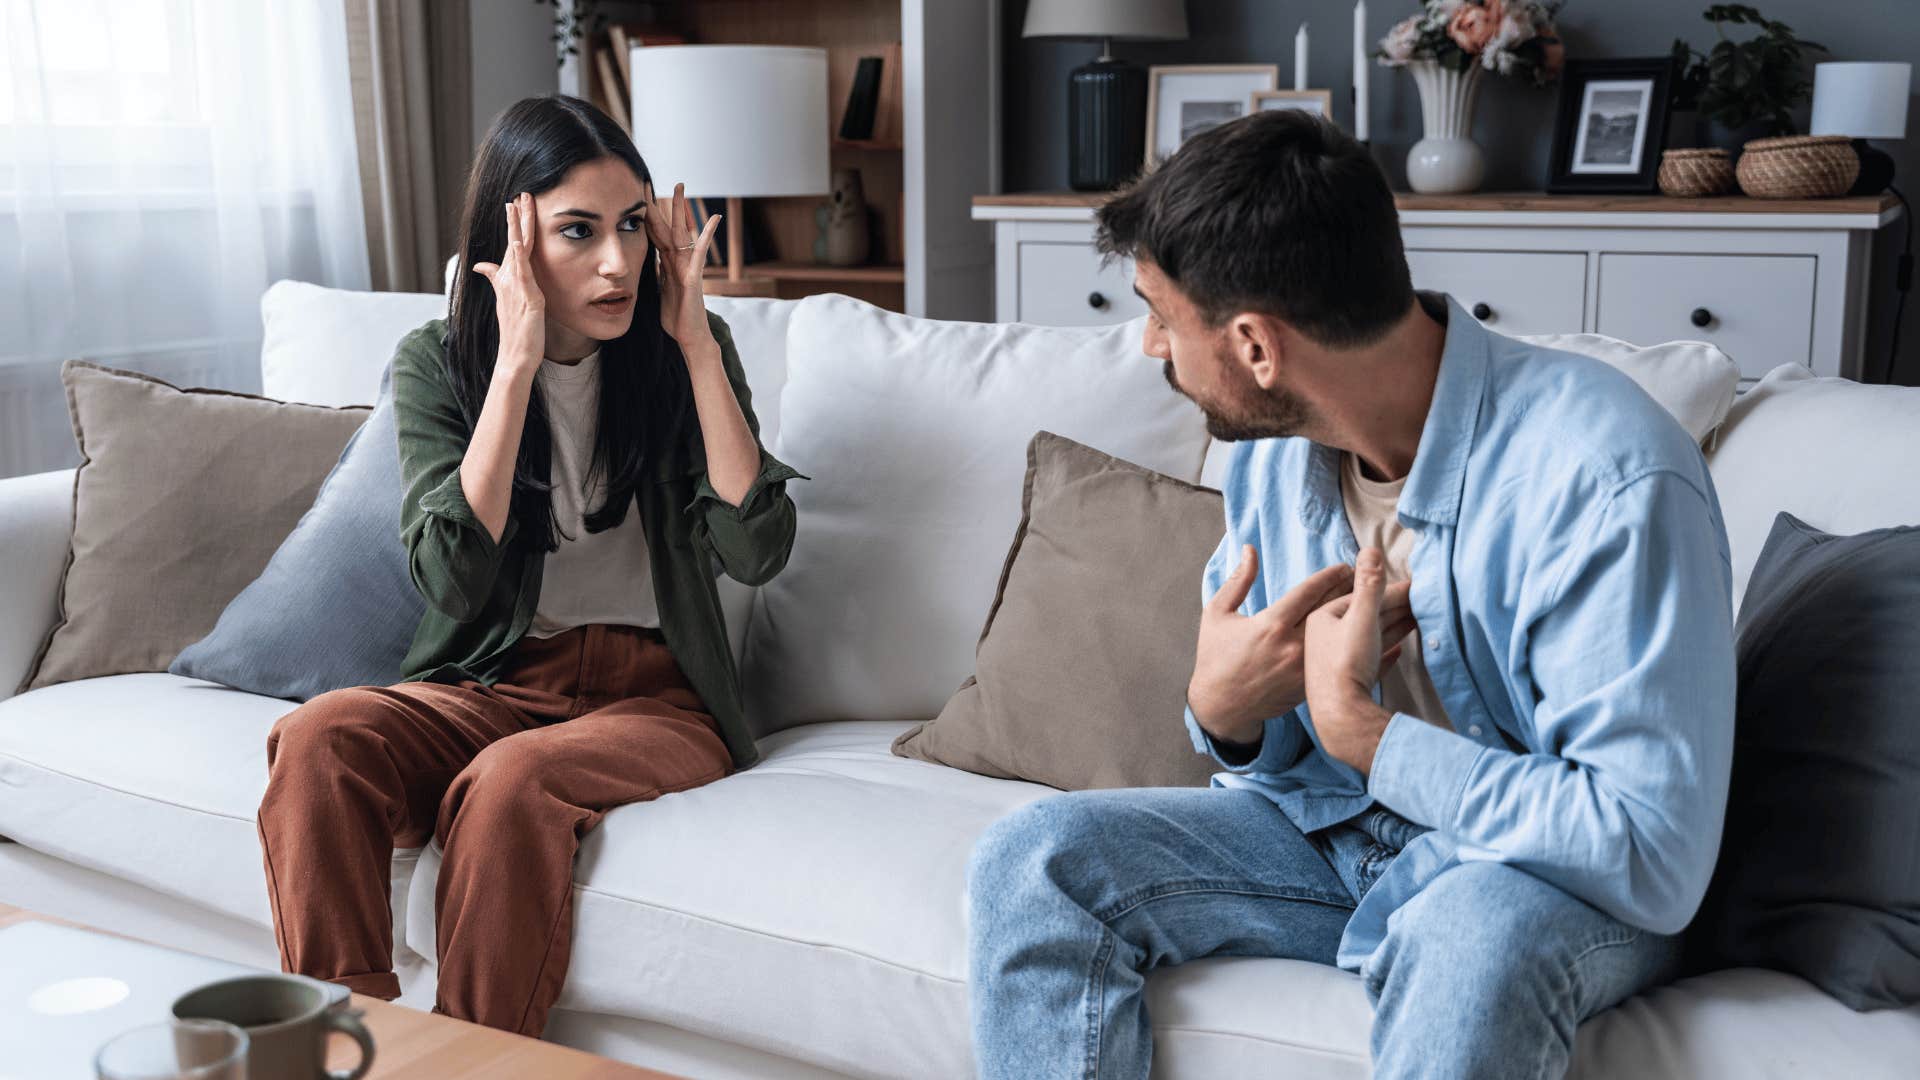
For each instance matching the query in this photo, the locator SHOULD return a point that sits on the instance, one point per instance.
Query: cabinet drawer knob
(1482, 312)
(1096, 301)
(1701, 316)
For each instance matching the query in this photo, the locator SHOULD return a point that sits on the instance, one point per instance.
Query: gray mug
(287, 1021)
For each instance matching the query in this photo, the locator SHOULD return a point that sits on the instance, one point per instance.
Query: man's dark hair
(1279, 212)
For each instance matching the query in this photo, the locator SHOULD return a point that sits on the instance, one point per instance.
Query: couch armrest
(36, 527)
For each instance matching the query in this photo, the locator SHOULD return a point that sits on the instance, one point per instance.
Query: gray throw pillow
(179, 501)
(336, 605)
(1080, 674)
(1818, 873)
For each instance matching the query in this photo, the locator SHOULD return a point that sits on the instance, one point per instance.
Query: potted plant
(1446, 47)
(1748, 89)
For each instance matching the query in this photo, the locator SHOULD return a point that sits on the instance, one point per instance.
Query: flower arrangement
(1509, 37)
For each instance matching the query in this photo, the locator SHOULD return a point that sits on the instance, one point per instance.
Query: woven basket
(1798, 167)
(1692, 174)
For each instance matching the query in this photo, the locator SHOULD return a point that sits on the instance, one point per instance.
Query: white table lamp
(1863, 100)
(733, 120)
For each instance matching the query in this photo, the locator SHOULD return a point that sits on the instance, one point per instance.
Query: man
(1466, 656)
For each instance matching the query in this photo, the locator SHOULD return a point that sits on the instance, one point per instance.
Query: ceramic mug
(287, 1021)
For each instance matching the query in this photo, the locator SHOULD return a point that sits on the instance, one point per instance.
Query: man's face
(1210, 365)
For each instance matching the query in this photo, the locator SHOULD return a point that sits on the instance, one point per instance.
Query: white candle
(1361, 75)
(1300, 58)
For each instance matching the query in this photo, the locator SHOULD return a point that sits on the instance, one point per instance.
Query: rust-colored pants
(507, 778)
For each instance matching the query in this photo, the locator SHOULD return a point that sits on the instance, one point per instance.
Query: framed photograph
(1186, 99)
(1317, 102)
(1612, 126)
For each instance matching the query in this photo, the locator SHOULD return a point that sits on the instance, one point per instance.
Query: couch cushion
(1837, 454)
(151, 778)
(834, 932)
(915, 432)
(329, 346)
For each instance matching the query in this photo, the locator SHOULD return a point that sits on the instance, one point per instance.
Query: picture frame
(1611, 126)
(1317, 102)
(1186, 99)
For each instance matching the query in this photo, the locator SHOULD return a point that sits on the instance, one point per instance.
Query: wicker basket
(1798, 167)
(1692, 174)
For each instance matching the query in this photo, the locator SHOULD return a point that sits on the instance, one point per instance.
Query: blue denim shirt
(1574, 595)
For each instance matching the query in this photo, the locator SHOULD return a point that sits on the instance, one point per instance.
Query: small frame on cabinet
(1612, 126)
(1317, 102)
(1185, 99)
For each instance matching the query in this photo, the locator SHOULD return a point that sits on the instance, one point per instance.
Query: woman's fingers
(686, 209)
(527, 223)
(513, 228)
(486, 270)
(700, 246)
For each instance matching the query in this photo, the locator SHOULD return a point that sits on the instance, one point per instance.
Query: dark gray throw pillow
(1819, 873)
(335, 606)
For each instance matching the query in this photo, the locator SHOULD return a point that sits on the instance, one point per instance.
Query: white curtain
(161, 163)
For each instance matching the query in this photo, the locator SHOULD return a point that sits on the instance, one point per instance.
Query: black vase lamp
(1106, 98)
(1863, 100)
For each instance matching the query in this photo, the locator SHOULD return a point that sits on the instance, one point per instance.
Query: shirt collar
(1432, 491)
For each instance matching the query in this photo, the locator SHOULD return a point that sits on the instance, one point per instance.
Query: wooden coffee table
(415, 1045)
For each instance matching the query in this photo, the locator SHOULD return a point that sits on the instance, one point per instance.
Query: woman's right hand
(517, 299)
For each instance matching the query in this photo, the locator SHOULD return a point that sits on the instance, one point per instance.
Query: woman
(579, 452)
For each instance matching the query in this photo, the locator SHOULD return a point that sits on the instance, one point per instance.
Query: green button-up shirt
(481, 594)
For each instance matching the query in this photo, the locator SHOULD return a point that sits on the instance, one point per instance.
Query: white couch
(829, 938)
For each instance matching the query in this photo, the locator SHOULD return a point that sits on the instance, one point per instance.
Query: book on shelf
(863, 100)
(886, 124)
(613, 95)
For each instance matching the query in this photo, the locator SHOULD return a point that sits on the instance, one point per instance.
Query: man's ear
(1257, 344)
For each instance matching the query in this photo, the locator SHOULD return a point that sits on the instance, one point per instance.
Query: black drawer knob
(1482, 312)
(1701, 316)
(1096, 301)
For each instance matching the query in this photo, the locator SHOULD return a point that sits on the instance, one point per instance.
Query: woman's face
(589, 244)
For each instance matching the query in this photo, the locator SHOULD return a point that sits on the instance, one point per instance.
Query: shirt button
(1473, 730)
(1434, 641)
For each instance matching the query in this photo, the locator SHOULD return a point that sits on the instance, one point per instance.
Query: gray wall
(1513, 123)
(513, 56)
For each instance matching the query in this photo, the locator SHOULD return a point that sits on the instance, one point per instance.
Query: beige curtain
(412, 98)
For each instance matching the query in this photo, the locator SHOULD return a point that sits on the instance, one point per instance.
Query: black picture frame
(1590, 175)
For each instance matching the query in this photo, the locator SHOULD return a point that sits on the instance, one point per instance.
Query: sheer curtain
(161, 163)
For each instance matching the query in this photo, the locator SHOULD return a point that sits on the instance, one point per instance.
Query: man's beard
(1274, 414)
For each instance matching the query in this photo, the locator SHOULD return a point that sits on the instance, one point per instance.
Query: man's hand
(1250, 667)
(1343, 662)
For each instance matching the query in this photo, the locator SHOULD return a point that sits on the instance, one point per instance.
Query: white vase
(1447, 161)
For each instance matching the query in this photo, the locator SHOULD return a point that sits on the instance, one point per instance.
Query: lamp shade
(1861, 100)
(1140, 20)
(732, 120)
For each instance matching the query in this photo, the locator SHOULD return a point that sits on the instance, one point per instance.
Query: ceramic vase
(1447, 161)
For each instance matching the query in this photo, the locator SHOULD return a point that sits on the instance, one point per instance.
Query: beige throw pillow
(1081, 671)
(180, 499)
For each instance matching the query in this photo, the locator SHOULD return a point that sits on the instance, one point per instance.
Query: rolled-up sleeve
(749, 541)
(451, 557)
(1631, 656)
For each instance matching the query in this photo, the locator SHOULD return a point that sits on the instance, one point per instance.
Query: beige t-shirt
(1372, 510)
(603, 577)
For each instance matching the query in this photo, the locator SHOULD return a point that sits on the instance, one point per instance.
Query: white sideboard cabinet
(1768, 281)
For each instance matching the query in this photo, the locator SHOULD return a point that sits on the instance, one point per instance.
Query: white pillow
(330, 346)
(1837, 454)
(1695, 381)
(914, 432)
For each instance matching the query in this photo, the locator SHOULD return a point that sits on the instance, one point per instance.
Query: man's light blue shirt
(1574, 595)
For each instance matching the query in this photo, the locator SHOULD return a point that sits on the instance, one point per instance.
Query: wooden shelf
(868, 144)
(1522, 201)
(778, 270)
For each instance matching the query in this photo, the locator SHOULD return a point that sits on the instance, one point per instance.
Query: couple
(1535, 799)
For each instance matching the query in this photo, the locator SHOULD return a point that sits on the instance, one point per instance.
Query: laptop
(65, 991)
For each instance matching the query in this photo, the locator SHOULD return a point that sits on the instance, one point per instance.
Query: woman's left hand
(683, 260)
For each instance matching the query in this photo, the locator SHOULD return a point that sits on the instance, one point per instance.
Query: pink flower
(1474, 25)
(1515, 30)
(1397, 47)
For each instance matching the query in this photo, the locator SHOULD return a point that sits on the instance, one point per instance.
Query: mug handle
(347, 1021)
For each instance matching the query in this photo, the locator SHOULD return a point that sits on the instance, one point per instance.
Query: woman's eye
(631, 224)
(582, 235)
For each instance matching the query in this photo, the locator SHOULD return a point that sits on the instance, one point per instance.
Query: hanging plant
(572, 20)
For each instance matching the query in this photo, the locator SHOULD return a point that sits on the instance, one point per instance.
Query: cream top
(1373, 511)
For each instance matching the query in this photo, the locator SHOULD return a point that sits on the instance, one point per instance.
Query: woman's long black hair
(645, 395)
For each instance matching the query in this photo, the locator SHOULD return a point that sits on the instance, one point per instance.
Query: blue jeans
(1074, 898)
